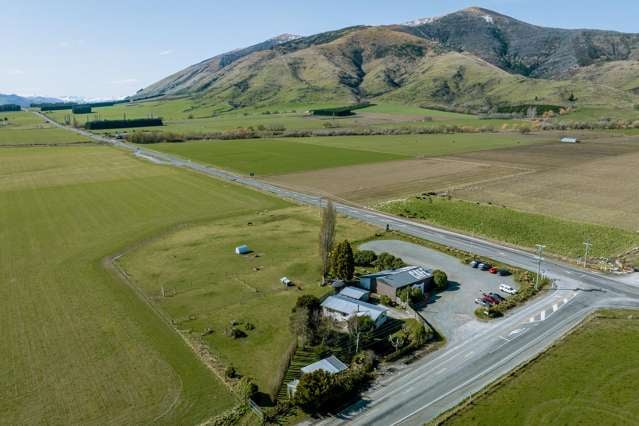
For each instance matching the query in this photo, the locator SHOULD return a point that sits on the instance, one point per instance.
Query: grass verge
(587, 378)
(561, 237)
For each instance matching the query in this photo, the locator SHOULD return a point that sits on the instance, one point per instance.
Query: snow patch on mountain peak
(422, 21)
(284, 38)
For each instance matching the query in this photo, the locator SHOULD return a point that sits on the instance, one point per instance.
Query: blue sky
(109, 49)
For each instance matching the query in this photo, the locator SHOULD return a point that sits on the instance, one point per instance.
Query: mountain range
(473, 59)
(25, 101)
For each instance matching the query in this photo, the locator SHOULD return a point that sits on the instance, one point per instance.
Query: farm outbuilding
(390, 282)
(569, 140)
(342, 308)
(356, 293)
(331, 365)
(243, 249)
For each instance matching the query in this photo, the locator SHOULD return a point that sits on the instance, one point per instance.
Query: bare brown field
(371, 183)
(595, 181)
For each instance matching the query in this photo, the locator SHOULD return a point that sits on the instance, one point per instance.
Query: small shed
(569, 140)
(332, 365)
(356, 293)
(243, 249)
(286, 282)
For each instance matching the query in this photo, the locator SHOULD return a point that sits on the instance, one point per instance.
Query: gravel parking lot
(452, 311)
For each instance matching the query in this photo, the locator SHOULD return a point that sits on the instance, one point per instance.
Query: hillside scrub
(561, 237)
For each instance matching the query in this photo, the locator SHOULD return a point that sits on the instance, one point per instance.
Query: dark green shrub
(440, 279)
(364, 258)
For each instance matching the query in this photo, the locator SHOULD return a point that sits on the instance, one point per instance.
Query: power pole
(540, 258)
(588, 244)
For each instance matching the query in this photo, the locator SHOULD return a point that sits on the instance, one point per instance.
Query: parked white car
(507, 289)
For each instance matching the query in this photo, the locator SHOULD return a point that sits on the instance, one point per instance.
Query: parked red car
(491, 298)
(493, 270)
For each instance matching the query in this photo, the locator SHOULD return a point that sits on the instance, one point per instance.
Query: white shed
(569, 140)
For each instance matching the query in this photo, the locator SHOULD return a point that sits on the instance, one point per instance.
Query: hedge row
(522, 109)
(340, 111)
(70, 105)
(10, 108)
(122, 124)
(82, 109)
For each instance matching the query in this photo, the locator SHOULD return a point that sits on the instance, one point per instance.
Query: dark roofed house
(389, 283)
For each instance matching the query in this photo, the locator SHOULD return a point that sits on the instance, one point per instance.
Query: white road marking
(543, 316)
(469, 354)
(502, 337)
(565, 300)
(532, 319)
(441, 371)
(555, 307)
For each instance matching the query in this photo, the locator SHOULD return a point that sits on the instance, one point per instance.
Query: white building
(342, 308)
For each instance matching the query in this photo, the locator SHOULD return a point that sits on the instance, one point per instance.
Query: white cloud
(166, 52)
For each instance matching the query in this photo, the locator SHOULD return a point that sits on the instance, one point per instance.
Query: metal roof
(348, 306)
(354, 292)
(331, 365)
(403, 277)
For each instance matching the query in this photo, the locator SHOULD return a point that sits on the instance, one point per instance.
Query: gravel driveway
(452, 311)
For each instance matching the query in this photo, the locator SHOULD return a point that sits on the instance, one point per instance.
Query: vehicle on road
(493, 270)
(507, 289)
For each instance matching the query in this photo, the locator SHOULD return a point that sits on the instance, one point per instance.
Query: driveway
(452, 311)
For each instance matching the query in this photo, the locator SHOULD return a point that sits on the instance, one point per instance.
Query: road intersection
(420, 392)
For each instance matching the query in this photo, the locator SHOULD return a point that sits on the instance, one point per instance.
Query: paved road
(438, 382)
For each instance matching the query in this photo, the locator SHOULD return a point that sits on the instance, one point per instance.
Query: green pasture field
(425, 145)
(21, 120)
(390, 108)
(561, 237)
(271, 156)
(78, 345)
(44, 136)
(210, 286)
(588, 379)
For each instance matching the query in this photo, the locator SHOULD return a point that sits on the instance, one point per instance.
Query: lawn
(561, 237)
(424, 145)
(78, 345)
(589, 378)
(210, 286)
(266, 157)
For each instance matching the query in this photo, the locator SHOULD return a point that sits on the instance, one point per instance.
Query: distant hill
(474, 58)
(25, 101)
